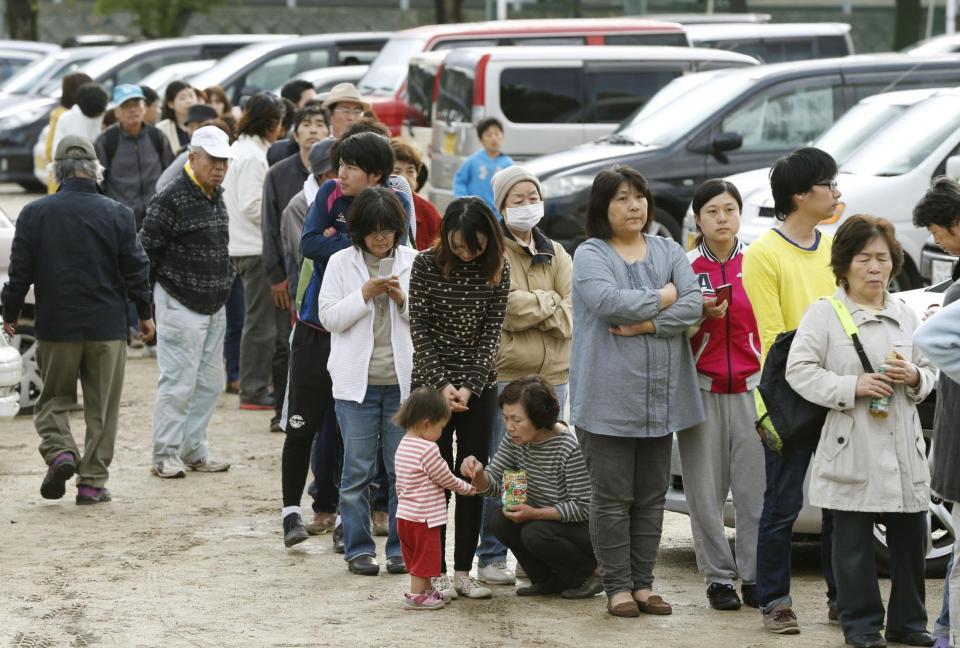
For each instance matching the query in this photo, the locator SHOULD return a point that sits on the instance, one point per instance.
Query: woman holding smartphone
(363, 303)
(458, 301)
(723, 452)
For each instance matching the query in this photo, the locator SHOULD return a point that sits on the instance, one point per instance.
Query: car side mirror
(726, 141)
(953, 167)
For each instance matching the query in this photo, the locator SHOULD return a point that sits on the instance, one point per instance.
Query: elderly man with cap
(133, 152)
(345, 106)
(537, 331)
(197, 115)
(283, 181)
(185, 234)
(79, 249)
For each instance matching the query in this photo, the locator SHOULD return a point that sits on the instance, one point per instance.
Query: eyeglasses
(383, 234)
(343, 110)
(832, 185)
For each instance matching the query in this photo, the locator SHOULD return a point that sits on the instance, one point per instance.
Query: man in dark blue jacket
(79, 249)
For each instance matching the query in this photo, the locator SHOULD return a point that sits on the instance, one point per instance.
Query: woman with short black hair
(632, 380)
(458, 300)
(548, 532)
(177, 99)
(363, 303)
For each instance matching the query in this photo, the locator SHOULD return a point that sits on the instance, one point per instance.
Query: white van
(776, 43)
(549, 98)
(885, 177)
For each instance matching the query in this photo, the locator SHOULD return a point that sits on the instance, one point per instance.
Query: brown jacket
(539, 324)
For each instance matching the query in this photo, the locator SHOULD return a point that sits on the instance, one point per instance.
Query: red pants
(420, 545)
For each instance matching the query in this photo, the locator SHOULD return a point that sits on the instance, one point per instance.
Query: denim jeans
(365, 426)
(189, 347)
(231, 339)
(941, 628)
(491, 549)
(955, 583)
(782, 502)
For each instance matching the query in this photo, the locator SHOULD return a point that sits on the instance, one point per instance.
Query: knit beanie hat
(505, 179)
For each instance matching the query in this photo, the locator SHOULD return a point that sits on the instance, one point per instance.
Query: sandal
(626, 609)
(655, 605)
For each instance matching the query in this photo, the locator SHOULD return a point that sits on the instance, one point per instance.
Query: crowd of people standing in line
(382, 334)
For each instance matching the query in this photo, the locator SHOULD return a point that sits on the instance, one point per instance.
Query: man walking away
(79, 249)
(185, 233)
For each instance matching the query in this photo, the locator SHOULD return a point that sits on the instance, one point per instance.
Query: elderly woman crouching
(549, 533)
(869, 467)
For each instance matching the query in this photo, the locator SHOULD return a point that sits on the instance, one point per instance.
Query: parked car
(775, 43)
(549, 98)
(24, 340)
(23, 117)
(885, 176)
(266, 66)
(384, 82)
(725, 122)
(323, 79)
(807, 526)
(17, 54)
(936, 264)
(935, 46)
(44, 76)
(161, 78)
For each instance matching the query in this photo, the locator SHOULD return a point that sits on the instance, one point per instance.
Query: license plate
(449, 143)
(940, 270)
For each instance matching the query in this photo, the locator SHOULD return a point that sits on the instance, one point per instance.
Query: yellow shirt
(189, 170)
(782, 279)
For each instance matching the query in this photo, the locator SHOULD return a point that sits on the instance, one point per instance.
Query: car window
(753, 48)
(358, 53)
(541, 95)
(613, 95)
(545, 40)
(420, 81)
(277, 71)
(794, 50)
(136, 70)
(678, 39)
(455, 96)
(830, 46)
(783, 119)
(475, 42)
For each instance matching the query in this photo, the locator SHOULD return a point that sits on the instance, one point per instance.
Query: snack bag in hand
(514, 488)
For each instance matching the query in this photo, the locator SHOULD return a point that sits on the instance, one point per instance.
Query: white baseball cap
(212, 140)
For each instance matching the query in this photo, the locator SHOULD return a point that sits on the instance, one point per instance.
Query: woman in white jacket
(363, 303)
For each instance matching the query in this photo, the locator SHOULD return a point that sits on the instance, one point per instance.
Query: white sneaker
(209, 465)
(169, 468)
(470, 587)
(497, 573)
(444, 586)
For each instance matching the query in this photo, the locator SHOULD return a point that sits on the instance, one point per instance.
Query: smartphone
(386, 268)
(724, 293)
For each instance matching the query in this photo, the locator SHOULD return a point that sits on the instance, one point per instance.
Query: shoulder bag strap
(850, 328)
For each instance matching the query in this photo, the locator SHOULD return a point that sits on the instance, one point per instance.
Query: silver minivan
(549, 99)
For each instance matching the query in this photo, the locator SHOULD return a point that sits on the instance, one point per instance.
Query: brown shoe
(233, 387)
(626, 609)
(380, 520)
(322, 523)
(655, 605)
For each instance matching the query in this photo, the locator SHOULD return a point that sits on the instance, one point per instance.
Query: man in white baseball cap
(185, 234)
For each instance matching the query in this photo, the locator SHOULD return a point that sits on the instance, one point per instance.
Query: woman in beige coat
(869, 468)
(538, 326)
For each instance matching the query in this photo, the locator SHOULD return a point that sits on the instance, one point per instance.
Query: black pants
(547, 549)
(281, 356)
(473, 429)
(858, 592)
(309, 418)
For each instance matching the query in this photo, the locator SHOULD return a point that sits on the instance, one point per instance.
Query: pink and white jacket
(727, 350)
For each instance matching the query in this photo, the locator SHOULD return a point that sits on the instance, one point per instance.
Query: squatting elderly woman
(868, 466)
(632, 379)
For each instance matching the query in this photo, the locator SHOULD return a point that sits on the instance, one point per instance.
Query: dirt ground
(200, 562)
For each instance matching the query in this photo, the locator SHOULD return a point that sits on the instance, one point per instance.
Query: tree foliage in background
(908, 21)
(21, 19)
(157, 18)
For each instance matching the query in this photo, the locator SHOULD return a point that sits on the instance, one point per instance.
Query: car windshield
(389, 69)
(671, 91)
(26, 80)
(856, 126)
(678, 117)
(908, 141)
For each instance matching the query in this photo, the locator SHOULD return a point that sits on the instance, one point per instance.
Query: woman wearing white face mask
(539, 322)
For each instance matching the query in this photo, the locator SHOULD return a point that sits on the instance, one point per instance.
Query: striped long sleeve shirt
(556, 474)
(422, 476)
(455, 323)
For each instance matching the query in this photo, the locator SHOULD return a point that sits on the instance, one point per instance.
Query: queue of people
(414, 333)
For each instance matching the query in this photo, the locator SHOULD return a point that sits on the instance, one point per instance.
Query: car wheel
(25, 340)
(939, 543)
(664, 218)
(908, 279)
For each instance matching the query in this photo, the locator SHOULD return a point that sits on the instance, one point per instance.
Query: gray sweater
(641, 386)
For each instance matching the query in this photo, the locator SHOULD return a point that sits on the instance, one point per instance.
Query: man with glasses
(346, 106)
(784, 271)
(185, 234)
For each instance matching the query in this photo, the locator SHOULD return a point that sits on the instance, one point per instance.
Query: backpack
(788, 422)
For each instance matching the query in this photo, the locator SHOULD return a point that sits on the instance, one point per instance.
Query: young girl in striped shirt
(421, 477)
